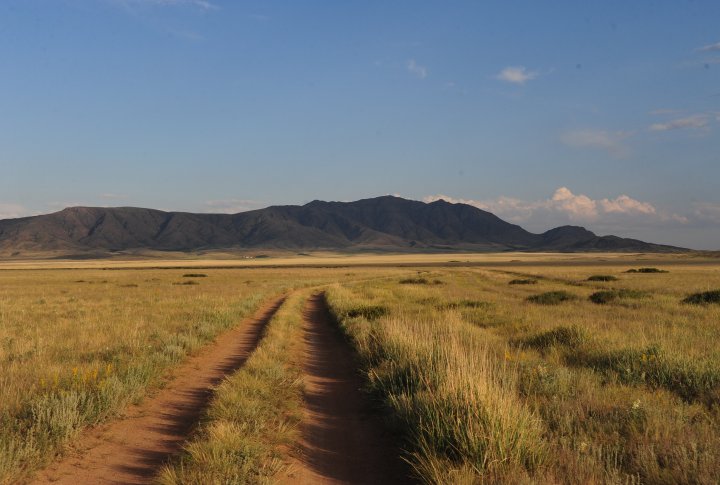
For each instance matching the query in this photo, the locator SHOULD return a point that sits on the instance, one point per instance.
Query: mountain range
(381, 223)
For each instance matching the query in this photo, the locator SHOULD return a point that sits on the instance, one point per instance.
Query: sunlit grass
(626, 392)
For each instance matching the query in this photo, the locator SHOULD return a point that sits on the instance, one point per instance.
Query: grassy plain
(488, 383)
(482, 382)
(77, 346)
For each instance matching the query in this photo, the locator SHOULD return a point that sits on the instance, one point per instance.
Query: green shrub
(602, 297)
(368, 312)
(568, 336)
(523, 282)
(647, 270)
(195, 275)
(455, 305)
(703, 298)
(552, 297)
(420, 281)
(187, 283)
(600, 277)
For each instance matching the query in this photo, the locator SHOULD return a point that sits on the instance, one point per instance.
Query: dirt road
(132, 449)
(343, 441)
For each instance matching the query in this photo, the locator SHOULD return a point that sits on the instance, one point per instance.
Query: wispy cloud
(516, 75)
(416, 69)
(710, 47)
(230, 206)
(11, 211)
(696, 121)
(611, 141)
(112, 196)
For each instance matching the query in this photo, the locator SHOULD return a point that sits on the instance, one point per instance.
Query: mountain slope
(380, 223)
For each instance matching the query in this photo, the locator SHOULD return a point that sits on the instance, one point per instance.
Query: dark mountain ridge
(387, 222)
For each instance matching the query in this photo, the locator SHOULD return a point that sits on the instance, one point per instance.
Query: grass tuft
(599, 277)
(647, 270)
(703, 298)
(523, 282)
(368, 312)
(552, 297)
(572, 336)
(420, 281)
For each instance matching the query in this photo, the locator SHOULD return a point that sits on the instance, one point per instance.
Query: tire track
(343, 439)
(131, 450)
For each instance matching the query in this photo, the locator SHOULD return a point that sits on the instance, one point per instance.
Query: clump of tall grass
(602, 278)
(647, 270)
(254, 417)
(521, 281)
(420, 281)
(367, 311)
(454, 402)
(572, 336)
(462, 304)
(552, 297)
(703, 298)
(690, 379)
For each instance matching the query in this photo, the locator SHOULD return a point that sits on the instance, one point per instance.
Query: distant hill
(390, 223)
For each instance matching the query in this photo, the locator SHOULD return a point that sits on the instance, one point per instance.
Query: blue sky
(602, 114)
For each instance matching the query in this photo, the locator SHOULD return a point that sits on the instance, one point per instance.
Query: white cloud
(11, 211)
(707, 212)
(112, 196)
(624, 204)
(710, 47)
(696, 121)
(516, 75)
(230, 206)
(610, 141)
(416, 69)
(566, 207)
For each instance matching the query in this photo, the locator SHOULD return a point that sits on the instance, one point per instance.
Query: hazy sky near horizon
(601, 114)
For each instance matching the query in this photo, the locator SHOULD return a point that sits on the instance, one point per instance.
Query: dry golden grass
(488, 386)
(482, 383)
(77, 346)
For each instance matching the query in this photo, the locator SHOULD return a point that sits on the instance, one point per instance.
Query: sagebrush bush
(703, 298)
(552, 297)
(600, 277)
(522, 282)
(420, 281)
(647, 270)
(369, 312)
(572, 336)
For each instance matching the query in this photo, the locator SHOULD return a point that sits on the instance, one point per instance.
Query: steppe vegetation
(532, 374)
(254, 415)
(513, 391)
(78, 346)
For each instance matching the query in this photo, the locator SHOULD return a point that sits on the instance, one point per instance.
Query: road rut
(343, 440)
(132, 449)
